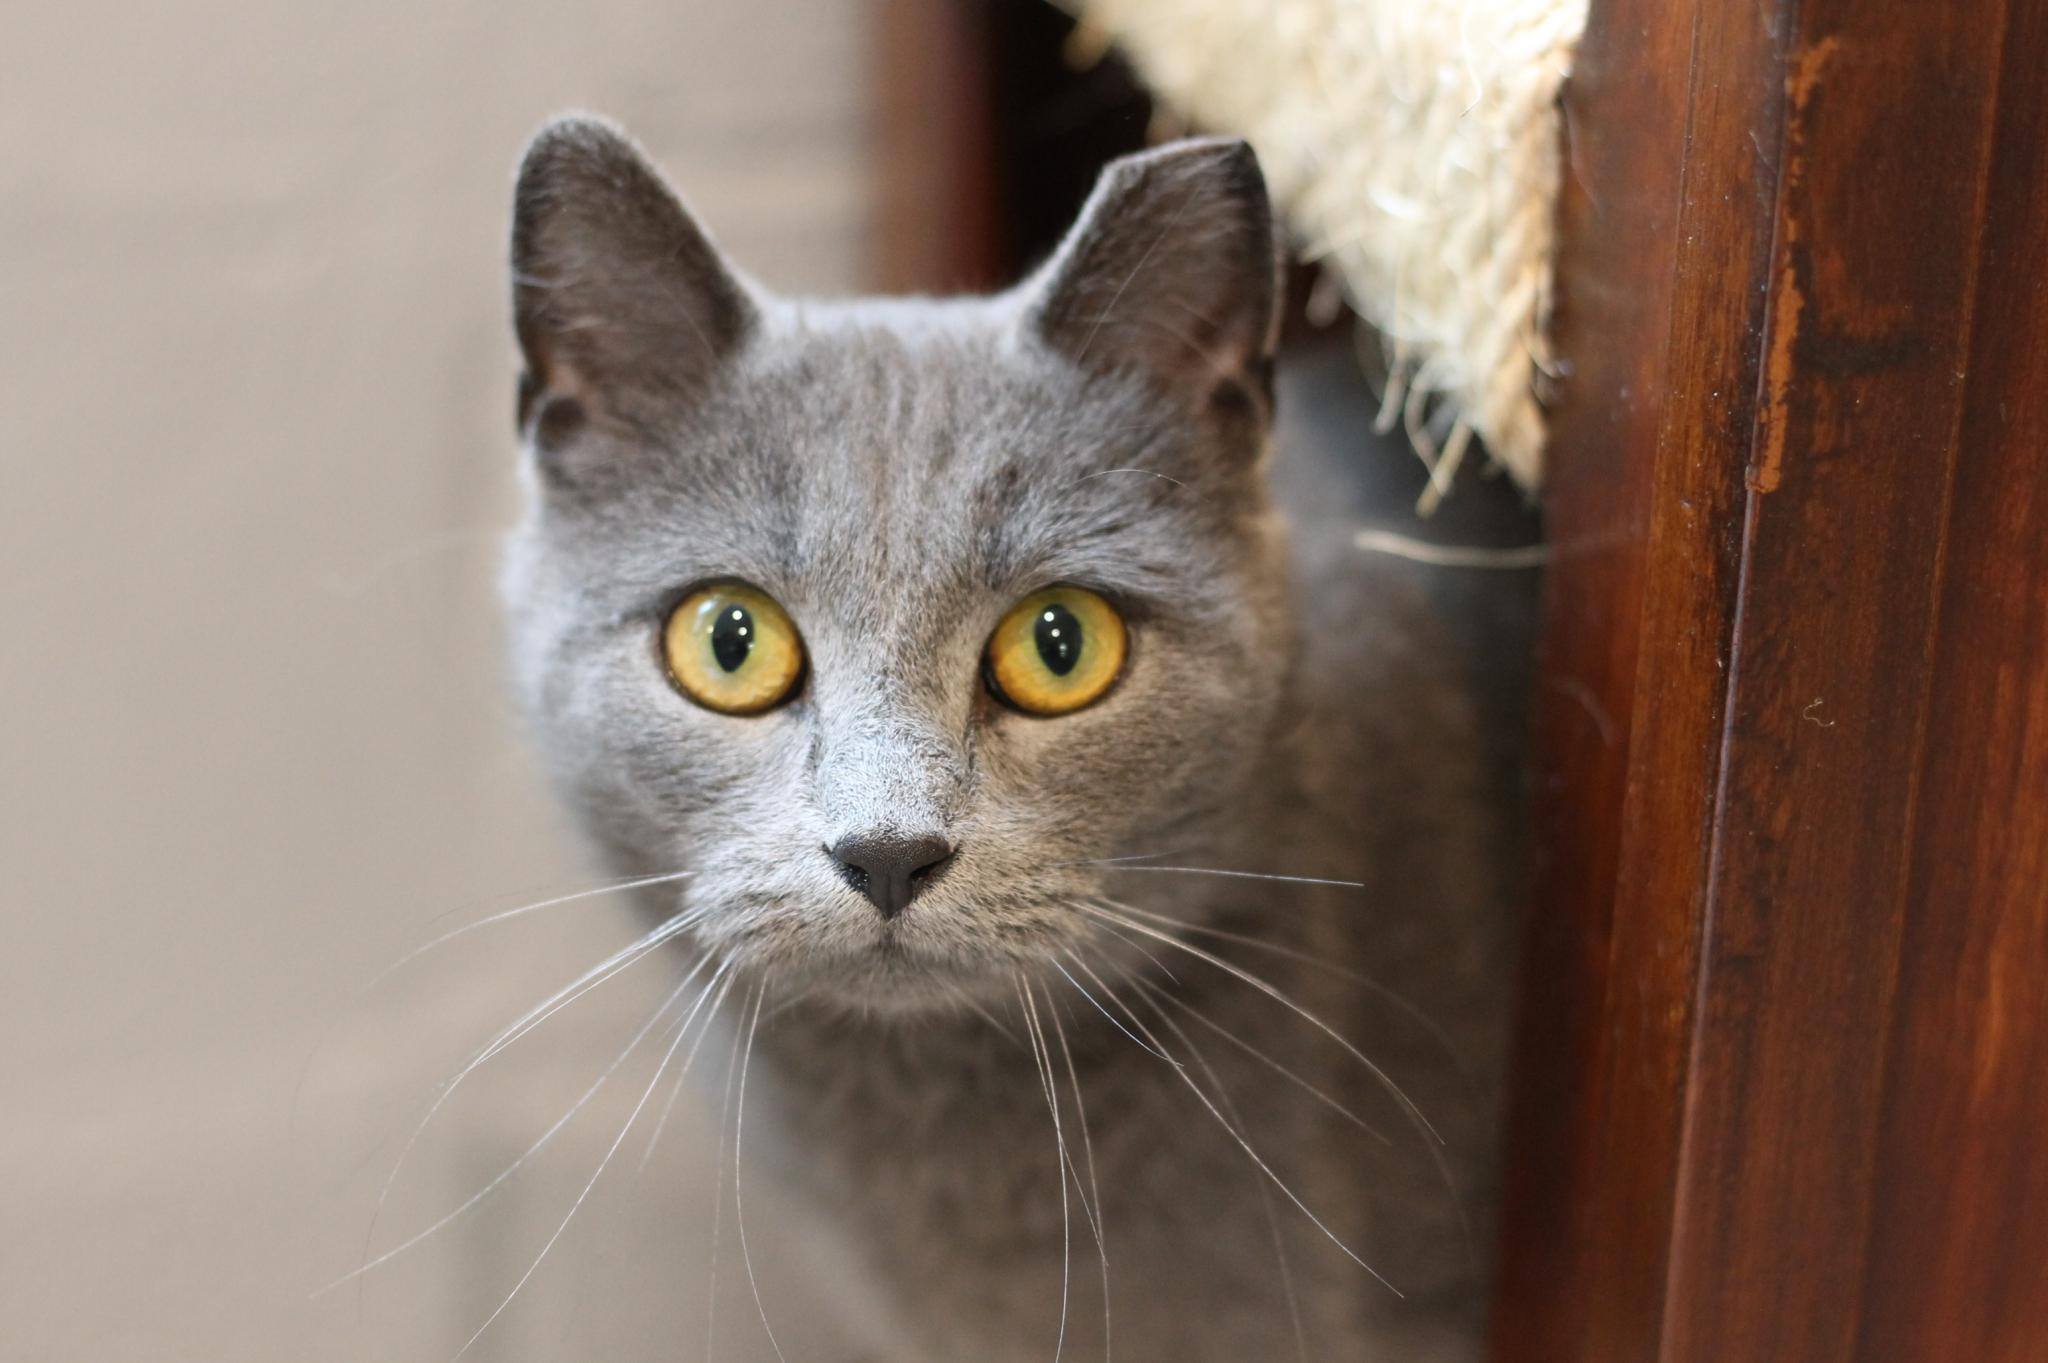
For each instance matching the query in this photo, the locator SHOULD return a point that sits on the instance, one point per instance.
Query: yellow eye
(730, 648)
(1056, 651)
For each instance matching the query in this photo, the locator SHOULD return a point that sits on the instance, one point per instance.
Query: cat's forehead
(940, 398)
(942, 453)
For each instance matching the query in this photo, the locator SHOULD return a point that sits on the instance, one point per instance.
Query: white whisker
(1061, 1166)
(1265, 1195)
(1135, 856)
(516, 1165)
(1088, 1153)
(1258, 1159)
(617, 1141)
(1150, 955)
(1433, 1144)
(616, 887)
(534, 1017)
(1157, 993)
(1241, 875)
(1409, 1010)
(1082, 966)
(1279, 996)
(676, 1090)
(739, 1215)
(298, 1089)
(732, 1065)
(973, 1005)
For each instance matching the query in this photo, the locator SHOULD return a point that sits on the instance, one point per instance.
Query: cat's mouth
(970, 929)
(931, 953)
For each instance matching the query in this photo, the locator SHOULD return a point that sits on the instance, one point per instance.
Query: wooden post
(1784, 1091)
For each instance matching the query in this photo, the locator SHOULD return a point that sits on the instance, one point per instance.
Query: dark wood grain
(1621, 210)
(1847, 478)
(1788, 993)
(1957, 1265)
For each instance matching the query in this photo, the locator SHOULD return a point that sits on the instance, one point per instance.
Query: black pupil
(1059, 639)
(732, 637)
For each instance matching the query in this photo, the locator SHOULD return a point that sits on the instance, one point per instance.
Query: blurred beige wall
(254, 446)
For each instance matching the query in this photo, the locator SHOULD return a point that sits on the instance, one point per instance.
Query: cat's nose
(890, 869)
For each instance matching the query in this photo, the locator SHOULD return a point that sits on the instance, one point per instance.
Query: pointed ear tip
(1232, 156)
(570, 140)
(1219, 169)
(575, 127)
(1236, 161)
(572, 155)
(1229, 150)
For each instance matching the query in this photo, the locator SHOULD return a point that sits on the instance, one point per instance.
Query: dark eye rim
(1124, 616)
(658, 642)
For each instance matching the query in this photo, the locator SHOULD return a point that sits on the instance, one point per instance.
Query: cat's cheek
(1070, 784)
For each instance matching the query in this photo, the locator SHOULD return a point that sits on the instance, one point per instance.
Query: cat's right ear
(622, 305)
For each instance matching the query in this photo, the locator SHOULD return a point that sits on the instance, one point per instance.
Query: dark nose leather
(889, 869)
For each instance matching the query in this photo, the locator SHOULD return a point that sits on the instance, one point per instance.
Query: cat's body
(896, 474)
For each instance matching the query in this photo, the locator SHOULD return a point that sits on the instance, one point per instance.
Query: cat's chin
(894, 981)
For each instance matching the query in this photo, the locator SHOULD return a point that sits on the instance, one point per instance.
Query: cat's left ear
(1171, 272)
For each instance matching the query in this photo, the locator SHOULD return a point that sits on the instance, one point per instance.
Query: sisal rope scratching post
(1416, 148)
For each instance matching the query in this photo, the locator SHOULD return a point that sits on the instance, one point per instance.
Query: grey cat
(957, 649)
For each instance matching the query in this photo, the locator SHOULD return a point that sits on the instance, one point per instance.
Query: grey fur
(898, 473)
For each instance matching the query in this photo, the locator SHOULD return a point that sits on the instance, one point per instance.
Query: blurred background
(257, 397)
(257, 400)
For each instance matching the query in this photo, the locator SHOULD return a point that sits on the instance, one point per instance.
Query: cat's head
(887, 618)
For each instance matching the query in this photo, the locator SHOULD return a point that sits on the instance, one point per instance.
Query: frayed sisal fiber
(1415, 147)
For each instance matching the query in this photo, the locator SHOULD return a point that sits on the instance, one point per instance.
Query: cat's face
(887, 821)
